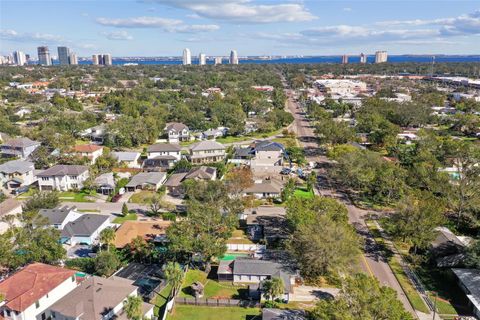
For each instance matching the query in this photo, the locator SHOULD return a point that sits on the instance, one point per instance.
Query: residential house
(63, 177)
(9, 206)
(162, 156)
(17, 173)
(206, 152)
(30, 292)
(98, 298)
(148, 230)
(177, 132)
(261, 153)
(212, 134)
(174, 182)
(130, 159)
(448, 249)
(60, 216)
(90, 151)
(146, 181)
(266, 222)
(95, 134)
(84, 229)
(469, 281)
(105, 183)
(265, 189)
(252, 271)
(19, 147)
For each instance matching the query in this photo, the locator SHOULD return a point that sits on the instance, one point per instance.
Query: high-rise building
(19, 58)
(381, 56)
(73, 58)
(187, 57)
(233, 57)
(95, 59)
(202, 59)
(218, 60)
(63, 55)
(107, 59)
(363, 58)
(344, 59)
(44, 56)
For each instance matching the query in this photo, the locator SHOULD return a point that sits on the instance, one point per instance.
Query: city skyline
(165, 27)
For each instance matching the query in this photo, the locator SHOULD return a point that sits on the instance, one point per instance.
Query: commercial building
(107, 59)
(363, 58)
(73, 58)
(202, 59)
(344, 59)
(233, 57)
(63, 55)
(187, 57)
(44, 56)
(19, 58)
(95, 59)
(381, 56)
(102, 59)
(218, 60)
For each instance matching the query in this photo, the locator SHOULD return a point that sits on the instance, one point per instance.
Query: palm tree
(273, 288)
(133, 307)
(107, 236)
(174, 275)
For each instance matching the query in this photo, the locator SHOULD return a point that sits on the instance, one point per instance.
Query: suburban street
(373, 261)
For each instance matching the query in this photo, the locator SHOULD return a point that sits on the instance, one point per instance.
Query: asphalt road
(373, 261)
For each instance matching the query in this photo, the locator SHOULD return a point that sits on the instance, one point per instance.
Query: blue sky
(253, 27)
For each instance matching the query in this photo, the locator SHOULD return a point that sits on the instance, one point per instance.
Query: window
(43, 316)
(73, 177)
(73, 278)
(9, 313)
(53, 314)
(74, 185)
(37, 304)
(45, 178)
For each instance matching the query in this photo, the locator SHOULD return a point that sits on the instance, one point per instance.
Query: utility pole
(434, 304)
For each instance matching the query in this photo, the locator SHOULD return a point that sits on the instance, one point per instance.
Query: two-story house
(206, 152)
(90, 151)
(128, 158)
(17, 173)
(63, 177)
(31, 291)
(99, 298)
(177, 132)
(60, 216)
(19, 147)
(162, 156)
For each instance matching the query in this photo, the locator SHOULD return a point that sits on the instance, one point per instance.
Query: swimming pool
(233, 256)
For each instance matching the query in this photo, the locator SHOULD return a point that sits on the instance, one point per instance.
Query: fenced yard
(181, 312)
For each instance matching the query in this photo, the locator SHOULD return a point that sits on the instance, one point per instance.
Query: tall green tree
(107, 237)
(41, 200)
(174, 276)
(106, 263)
(273, 288)
(133, 307)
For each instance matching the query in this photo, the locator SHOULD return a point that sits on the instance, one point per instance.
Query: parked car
(116, 197)
(20, 190)
(285, 171)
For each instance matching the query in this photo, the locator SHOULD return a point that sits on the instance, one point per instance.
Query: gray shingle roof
(21, 143)
(146, 177)
(19, 166)
(202, 172)
(63, 170)
(266, 145)
(264, 187)
(255, 267)
(126, 156)
(56, 215)
(86, 225)
(105, 179)
(164, 147)
(470, 279)
(8, 206)
(177, 126)
(175, 179)
(207, 145)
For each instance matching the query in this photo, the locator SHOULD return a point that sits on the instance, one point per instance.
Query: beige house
(206, 152)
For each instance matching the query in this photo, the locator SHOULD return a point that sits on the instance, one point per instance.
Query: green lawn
(186, 312)
(303, 193)
(443, 306)
(253, 136)
(287, 142)
(88, 210)
(160, 299)
(130, 216)
(142, 197)
(73, 196)
(213, 289)
(239, 237)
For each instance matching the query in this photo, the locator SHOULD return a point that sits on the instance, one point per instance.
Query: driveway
(309, 293)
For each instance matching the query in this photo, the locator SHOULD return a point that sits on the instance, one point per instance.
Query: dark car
(116, 197)
(285, 171)
(20, 190)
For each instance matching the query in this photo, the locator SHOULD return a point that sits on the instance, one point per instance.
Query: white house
(264, 189)
(19, 147)
(29, 292)
(85, 229)
(62, 177)
(130, 159)
(9, 207)
(206, 152)
(177, 132)
(90, 151)
(164, 149)
(60, 216)
(17, 173)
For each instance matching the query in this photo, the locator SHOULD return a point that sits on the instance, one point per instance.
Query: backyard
(205, 313)
(302, 192)
(161, 299)
(130, 216)
(142, 197)
(239, 237)
(212, 288)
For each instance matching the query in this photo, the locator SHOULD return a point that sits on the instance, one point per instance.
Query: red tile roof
(28, 285)
(86, 148)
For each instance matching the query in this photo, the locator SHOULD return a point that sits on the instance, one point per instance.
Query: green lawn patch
(239, 237)
(183, 312)
(88, 210)
(213, 288)
(160, 300)
(252, 136)
(73, 196)
(128, 217)
(443, 306)
(303, 193)
(142, 197)
(287, 142)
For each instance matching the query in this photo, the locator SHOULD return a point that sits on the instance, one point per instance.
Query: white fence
(252, 247)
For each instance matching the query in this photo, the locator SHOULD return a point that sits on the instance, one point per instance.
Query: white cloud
(347, 9)
(117, 35)
(168, 25)
(244, 11)
(9, 34)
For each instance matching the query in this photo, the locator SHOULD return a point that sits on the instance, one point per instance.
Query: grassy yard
(185, 312)
(412, 294)
(142, 197)
(213, 289)
(161, 299)
(239, 237)
(88, 210)
(302, 192)
(253, 136)
(130, 216)
(287, 142)
(73, 196)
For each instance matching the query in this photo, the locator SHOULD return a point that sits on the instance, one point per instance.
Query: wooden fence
(218, 302)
